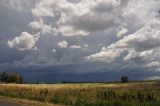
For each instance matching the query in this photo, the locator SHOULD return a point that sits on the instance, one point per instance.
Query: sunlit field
(87, 94)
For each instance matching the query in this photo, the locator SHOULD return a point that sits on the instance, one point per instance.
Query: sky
(80, 40)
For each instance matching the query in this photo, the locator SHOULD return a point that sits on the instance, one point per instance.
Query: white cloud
(153, 64)
(45, 29)
(75, 46)
(106, 55)
(143, 45)
(132, 54)
(63, 44)
(25, 41)
(43, 8)
(89, 16)
(122, 31)
(81, 18)
(144, 39)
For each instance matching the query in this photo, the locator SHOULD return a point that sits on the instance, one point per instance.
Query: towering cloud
(83, 17)
(63, 44)
(25, 41)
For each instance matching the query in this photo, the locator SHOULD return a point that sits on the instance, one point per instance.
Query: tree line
(8, 77)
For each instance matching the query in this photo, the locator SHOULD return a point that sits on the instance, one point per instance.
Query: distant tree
(64, 82)
(21, 79)
(124, 79)
(3, 77)
(11, 78)
(40, 82)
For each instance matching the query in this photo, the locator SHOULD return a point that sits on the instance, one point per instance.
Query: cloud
(100, 35)
(45, 29)
(19, 5)
(54, 50)
(144, 39)
(75, 46)
(133, 55)
(85, 17)
(153, 64)
(143, 45)
(43, 8)
(25, 41)
(122, 31)
(81, 18)
(106, 55)
(63, 44)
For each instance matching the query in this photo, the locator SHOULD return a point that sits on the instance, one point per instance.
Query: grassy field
(87, 94)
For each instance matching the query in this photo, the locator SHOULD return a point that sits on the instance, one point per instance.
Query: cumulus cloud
(81, 18)
(142, 46)
(63, 44)
(45, 29)
(107, 55)
(88, 16)
(43, 8)
(144, 39)
(25, 41)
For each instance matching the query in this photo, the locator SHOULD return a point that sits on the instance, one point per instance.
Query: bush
(11, 78)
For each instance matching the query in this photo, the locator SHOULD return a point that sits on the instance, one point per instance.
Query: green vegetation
(88, 94)
(11, 78)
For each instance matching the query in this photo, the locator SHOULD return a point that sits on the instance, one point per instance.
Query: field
(87, 94)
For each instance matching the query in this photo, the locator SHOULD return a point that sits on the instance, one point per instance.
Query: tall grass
(134, 94)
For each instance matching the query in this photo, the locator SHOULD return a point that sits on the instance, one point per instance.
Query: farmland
(87, 94)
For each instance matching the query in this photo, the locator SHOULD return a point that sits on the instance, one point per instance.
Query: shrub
(124, 79)
(11, 78)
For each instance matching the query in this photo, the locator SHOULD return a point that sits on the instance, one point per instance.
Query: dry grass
(87, 94)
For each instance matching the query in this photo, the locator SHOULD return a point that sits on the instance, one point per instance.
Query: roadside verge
(25, 102)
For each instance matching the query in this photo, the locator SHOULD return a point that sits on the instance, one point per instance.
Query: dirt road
(7, 103)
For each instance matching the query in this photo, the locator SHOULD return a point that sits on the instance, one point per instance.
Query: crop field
(87, 94)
